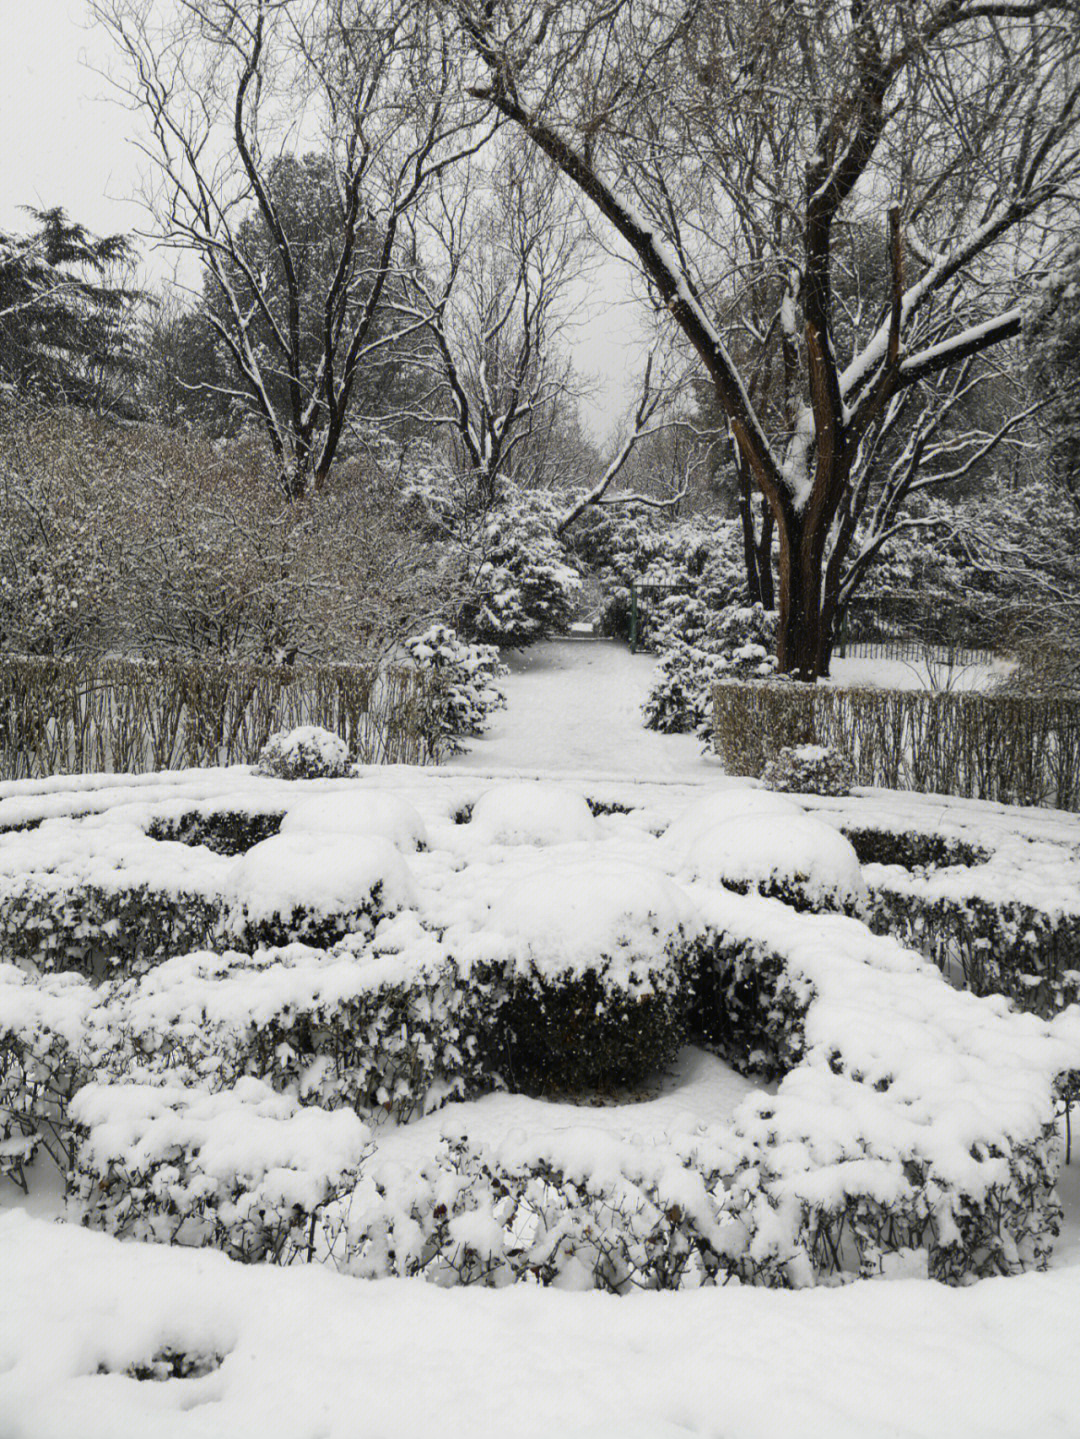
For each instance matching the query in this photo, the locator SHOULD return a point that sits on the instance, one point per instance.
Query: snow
(323, 875)
(761, 850)
(529, 812)
(358, 812)
(619, 912)
(576, 708)
(855, 672)
(719, 805)
(307, 1352)
(248, 1133)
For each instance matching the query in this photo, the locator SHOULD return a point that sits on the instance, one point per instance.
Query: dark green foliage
(910, 849)
(223, 831)
(579, 1033)
(66, 321)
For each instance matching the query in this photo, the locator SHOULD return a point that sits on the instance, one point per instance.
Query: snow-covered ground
(575, 707)
(309, 1354)
(856, 671)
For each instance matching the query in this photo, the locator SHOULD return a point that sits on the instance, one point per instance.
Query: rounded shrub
(810, 769)
(597, 984)
(304, 753)
(795, 858)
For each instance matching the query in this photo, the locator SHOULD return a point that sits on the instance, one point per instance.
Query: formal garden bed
(403, 943)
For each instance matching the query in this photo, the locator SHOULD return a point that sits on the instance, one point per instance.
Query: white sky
(63, 141)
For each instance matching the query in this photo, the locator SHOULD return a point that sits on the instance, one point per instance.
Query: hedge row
(1008, 748)
(1000, 946)
(79, 717)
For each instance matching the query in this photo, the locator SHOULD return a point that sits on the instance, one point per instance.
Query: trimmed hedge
(358, 1027)
(226, 832)
(1002, 946)
(243, 1170)
(84, 716)
(570, 1034)
(1010, 748)
(59, 923)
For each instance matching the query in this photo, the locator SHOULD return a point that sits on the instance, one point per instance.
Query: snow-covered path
(575, 708)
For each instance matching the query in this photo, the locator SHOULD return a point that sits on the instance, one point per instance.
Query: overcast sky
(63, 141)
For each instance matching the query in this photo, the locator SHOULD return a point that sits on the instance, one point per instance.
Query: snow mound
(320, 877)
(369, 811)
(719, 805)
(528, 812)
(569, 917)
(793, 857)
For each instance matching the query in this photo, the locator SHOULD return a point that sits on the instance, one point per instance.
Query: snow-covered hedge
(43, 1057)
(61, 922)
(809, 769)
(597, 989)
(387, 1026)
(246, 1169)
(228, 831)
(315, 888)
(304, 753)
(992, 942)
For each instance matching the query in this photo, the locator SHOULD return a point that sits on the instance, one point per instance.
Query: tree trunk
(802, 644)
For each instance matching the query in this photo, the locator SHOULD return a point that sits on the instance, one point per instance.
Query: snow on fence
(1014, 749)
(64, 716)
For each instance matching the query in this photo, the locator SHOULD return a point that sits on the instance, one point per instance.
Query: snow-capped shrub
(810, 769)
(385, 1026)
(735, 643)
(532, 812)
(796, 858)
(981, 936)
(525, 587)
(465, 694)
(596, 978)
(678, 702)
(313, 887)
(42, 1031)
(245, 1170)
(718, 805)
(359, 811)
(307, 752)
(230, 831)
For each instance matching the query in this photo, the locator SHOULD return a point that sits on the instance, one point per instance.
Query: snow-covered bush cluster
(809, 769)
(684, 568)
(246, 1095)
(307, 752)
(731, 644)
(524, 587)
(467, 691)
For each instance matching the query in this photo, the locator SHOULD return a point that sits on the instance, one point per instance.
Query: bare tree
(232, 91)
(730, 143)
(496, 251)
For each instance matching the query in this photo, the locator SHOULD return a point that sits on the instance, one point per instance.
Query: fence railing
(129, 716)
